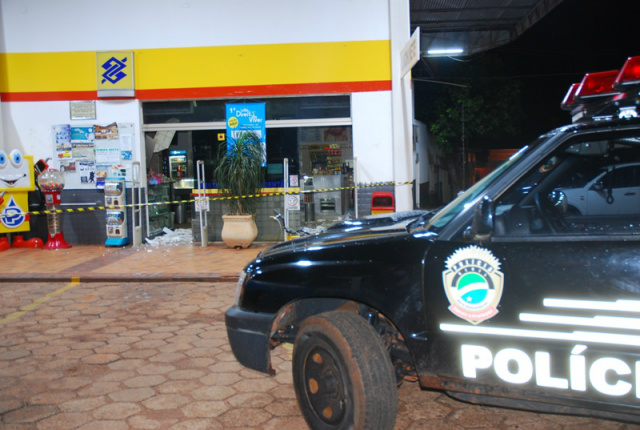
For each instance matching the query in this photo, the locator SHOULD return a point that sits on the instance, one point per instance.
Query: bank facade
(337, 106)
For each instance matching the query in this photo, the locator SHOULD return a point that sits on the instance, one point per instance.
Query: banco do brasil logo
(114, 70)
(473, 283)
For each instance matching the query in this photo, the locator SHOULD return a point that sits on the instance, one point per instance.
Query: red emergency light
(629, 74)
(605, 95)
(569, 101)
(599, 84)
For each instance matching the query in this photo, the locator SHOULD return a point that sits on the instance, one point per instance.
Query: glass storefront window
(313, 133)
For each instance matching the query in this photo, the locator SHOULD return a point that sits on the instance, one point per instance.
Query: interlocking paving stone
(29, 414)
(132, 394)
(117, 411)
(145, 381)
(206, 409)
(144, 356)
(64, 420)
(166, 401)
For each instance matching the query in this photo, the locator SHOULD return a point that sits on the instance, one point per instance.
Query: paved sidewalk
(190, 262)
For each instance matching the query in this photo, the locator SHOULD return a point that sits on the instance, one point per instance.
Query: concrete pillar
(402, 105)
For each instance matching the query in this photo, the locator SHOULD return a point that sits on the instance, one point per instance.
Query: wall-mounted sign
(410, 54)
(83, 109)
(293, 202)
(115, 74)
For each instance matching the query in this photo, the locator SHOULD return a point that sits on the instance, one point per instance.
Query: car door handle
(630, 194)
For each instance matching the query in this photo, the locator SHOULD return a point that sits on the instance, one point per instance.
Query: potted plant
(240, 173)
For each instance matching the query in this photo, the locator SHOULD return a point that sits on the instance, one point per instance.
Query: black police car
(506, 296)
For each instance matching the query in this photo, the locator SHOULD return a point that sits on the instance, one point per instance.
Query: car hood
(352, 232)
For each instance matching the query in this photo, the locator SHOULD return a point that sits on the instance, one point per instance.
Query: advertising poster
(87, 170)
(107, 154)
(106, 132)
(83, 150)
(242, 117)
(62, 140)
(102, 171)
(82, 135)
(118, 171)
(82, 143)
(126, 141)
(68, 166)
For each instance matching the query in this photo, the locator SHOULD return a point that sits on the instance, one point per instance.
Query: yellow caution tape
(212, 199)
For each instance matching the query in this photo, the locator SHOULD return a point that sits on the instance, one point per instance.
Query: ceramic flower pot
(239, 231)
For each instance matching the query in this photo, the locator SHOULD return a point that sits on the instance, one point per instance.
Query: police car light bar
(629, 74)
(599, 84)
(605, 95)
(569, 101)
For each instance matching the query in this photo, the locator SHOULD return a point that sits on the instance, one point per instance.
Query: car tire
(342, 374)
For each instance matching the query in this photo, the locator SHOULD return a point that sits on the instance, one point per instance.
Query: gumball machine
(51, 182)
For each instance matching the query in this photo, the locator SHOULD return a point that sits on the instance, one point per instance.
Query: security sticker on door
(202, 204)
(293, 202)
(473, 283)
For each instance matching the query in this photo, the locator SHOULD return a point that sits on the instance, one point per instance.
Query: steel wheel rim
(325, 387)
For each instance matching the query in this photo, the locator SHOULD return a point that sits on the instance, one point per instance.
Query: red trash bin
(382, 202)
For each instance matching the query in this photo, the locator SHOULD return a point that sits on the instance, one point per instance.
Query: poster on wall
(126, 142)
(82, 135)
(62, 140)
(241, 117)
(107, 153)
(87, 170)
(88, 154)
(83, 150)
(117, 170)
(102, 171)
(107, 132)
(68, 166)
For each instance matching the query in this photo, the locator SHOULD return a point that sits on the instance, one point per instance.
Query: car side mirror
(482, 225)
(598, 186)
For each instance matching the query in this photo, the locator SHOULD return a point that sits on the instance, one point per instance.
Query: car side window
(583, 188)
(624, 177)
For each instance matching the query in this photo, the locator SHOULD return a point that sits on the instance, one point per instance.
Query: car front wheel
(342, 374)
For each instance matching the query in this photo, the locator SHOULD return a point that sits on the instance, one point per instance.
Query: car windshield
(446, 214)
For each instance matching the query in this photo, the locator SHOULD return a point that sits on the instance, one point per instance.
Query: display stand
(158, 197)
(115, 200)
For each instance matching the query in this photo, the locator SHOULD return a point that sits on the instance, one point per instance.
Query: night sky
(577, 37)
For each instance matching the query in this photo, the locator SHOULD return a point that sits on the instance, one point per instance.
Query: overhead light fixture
(451, 51)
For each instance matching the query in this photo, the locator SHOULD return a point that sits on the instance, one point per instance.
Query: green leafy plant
(240, 172)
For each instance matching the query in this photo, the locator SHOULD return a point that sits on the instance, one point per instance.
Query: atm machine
(177, 164)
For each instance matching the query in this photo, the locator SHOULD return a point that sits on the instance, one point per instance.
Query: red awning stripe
(210, 92)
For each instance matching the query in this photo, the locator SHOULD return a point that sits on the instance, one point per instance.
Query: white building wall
(92, 25)
(371, 114)
(28, 125)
